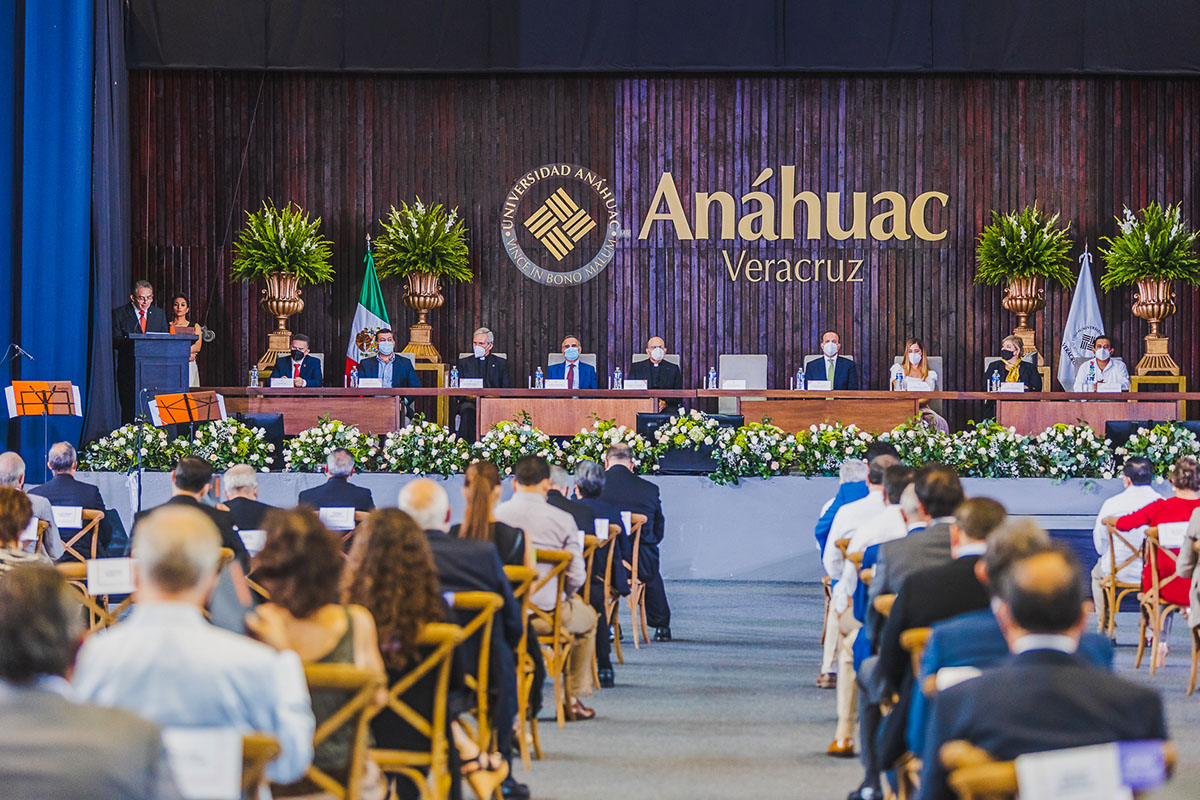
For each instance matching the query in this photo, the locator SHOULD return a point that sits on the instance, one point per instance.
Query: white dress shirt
(1127, 502)
(548, 528)
(845, 522)
(167, 664)
(883, 527)
(1114, 372)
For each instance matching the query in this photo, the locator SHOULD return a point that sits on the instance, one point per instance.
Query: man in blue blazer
(577, 374)
(298, 365)
(843, 371)
(64, 490)
(337, 491)
(395, 370)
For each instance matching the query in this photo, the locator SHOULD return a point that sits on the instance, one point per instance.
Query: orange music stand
(186, 407)
(43, 399)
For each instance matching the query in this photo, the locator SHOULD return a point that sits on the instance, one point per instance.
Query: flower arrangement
(756, 450)
(281, 240)
(919, 444)
(687, 431)
(989, 450)
(1155, 244)
(425, 448)
(1070, 451)
(590, 445)
(308, 451)
(226, 442)
(822, 448)
(117, 452)
(1163, 445)
(1024, 244)
(508, 441)
(420, 238)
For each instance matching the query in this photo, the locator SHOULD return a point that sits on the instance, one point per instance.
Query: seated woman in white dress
(915, 367)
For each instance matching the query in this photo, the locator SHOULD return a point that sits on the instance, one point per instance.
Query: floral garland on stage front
(821, 449)
(1163, 445)
(591, 445)
(508, 441)
(117, 452)
(424, 448)
(226, 442)
(308, 451)
(757, 450)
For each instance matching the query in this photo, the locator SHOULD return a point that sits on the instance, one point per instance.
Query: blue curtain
(10, 109)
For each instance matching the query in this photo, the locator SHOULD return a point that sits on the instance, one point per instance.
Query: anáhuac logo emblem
(559, 224)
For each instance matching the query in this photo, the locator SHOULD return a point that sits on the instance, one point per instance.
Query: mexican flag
(369, 317)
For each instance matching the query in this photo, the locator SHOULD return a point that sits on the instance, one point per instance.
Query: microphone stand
(15, 351)
(140, 419)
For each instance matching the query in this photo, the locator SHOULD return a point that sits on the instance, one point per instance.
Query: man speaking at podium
(139, 316)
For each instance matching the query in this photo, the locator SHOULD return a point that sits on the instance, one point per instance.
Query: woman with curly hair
(392, 574)
(15, 513)
(300, 567)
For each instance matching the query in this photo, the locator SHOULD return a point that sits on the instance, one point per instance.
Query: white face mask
(480, 352)
(1104, 354)
(657, 353)
(830, 349)
(914, 358)
(387, 348)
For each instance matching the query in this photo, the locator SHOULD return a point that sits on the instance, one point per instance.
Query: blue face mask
(571, 353)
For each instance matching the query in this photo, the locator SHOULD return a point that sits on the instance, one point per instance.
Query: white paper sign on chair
(109, 576)
(254, 540)
(206, 762)
(337, 518)
(1077, 773)
(627, 521)
(69, 517)
(601, 526)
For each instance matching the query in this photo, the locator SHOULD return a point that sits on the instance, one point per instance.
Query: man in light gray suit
(51, 746)
(12, 473)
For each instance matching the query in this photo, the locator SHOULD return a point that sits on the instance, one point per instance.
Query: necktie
(570, 376)
(142, 320)
(829, 370)
(296, 368)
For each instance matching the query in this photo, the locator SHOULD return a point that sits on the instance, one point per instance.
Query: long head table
(562, 412)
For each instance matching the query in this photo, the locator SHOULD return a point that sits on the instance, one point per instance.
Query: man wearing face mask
(297, 365)
(658, 373)
(1010, 367)
(493, 370)
(839, 371)
(1103, 368)
(392, 370)
(577, 374)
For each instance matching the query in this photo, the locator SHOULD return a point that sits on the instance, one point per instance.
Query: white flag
(1084, 326)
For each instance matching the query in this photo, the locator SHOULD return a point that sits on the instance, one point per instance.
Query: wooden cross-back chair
(612, 601)
(1195, 637)
(827, 585)
(99, 615)
(484, 606)
(1115, 590)
(39, 545)
(258, 750)
(637, 588)
(439, 639)
(556, 643)
(1155, 609)
(522, 579)
(91, 524)
(908, 767)
(883, 603)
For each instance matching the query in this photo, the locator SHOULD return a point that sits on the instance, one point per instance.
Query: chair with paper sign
(637, 587)
(90, 521)
(1163, 593)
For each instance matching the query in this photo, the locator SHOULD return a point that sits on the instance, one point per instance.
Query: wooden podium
(153, 363)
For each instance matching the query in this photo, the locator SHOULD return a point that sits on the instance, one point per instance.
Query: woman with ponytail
(482, 490)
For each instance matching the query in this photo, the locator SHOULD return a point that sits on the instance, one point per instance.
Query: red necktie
(142, 320)
(570, 376)
(296, 367)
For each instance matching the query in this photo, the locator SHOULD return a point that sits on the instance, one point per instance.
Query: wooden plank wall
(207, 146)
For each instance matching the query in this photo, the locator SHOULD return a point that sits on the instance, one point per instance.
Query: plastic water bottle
(800, 379)
(1091, 378)
(354, 377)
(618, 381)
(254, 376)
(454, 377)
(897, 379)
(712, 378)
(539, 380)
(994, 383)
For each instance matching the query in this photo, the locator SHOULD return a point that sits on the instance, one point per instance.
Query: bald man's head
(177, 549)
(1044, 592)
(427, 503)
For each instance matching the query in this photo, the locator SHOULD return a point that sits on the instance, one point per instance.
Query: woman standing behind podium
(1010, 367)
(179, 319)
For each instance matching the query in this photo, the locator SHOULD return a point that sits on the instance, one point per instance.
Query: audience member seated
(1138, 476)
(1185, 567)
(64, 490)
(467, 565)
(548, 528)
(852, 485)
(1046, 696)
(628, 492)
(337, 491)
(12, 473)
(589, 485)
(301, 568)
(191, 483)
(56, 747)
(167, 664)
(15, 515)
(241, 493)
(560, 494)
(482, 489)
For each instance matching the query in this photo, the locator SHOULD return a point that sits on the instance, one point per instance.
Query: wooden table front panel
(875, 415)
(369, 414)
(1035, 417)
(563, 416)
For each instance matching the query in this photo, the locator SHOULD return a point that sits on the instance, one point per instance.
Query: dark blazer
(66, 490)
(628, 492)
(222, 519)
(310, 370)
(1038, 700)
(337, 493)
(465, 565)
(901, 557)
(620, 575)
(509, 541)
(125, 321)
(1029, 374)
(403, 374)
(247, 514)
(583, 515)
(587, 373)
(845, 373)
(664, 376)
(493, 370)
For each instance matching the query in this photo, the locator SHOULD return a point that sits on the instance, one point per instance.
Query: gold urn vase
(1025, 297)
(1154, 301)
(281, 298)
(422, 293)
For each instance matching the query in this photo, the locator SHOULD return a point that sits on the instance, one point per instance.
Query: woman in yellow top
(1010, 367)
(180, 309)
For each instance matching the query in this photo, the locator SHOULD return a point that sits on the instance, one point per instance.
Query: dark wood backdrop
(207, 146)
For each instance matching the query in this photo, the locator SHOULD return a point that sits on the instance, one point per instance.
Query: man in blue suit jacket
(400, 368)
(843, 371)
(578, 374)
(309, 373)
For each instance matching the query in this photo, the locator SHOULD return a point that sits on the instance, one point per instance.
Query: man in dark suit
(559, 494)
(299, 365)
(64, 490)
(337, 491)
(191, 480)
(658, 373)
(1046, 697)
(466, 565)
(833, 367)
(50, 745)
(589, 485)
(577, 374)
(241, 493)
(139, 316)
(395, 370)
(482, 365)
(628, 492)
